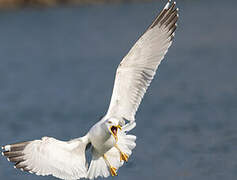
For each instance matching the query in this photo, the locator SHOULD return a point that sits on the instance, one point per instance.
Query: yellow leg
(123, 156)
(112, 169)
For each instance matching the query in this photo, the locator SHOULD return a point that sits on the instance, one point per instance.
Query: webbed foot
(113, 171)
(111, 168)
(123, 156)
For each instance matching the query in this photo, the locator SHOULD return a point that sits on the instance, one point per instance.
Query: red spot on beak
(114, 130)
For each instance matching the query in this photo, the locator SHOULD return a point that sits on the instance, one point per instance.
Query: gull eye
(109, 122)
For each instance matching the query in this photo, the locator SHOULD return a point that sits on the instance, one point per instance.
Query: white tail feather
(98, 166)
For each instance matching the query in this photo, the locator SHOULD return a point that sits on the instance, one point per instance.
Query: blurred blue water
(57, 69)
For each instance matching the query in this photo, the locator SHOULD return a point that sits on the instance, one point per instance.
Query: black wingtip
(14, 153)
(167, 17)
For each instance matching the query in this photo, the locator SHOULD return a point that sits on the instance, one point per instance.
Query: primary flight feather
(111, 145)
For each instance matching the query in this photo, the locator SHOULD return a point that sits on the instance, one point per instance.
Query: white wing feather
(49, 156)
(137, 69)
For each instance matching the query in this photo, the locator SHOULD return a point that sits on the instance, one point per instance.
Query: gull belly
(101, 140)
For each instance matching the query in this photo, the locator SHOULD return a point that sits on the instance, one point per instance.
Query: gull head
(113, 126)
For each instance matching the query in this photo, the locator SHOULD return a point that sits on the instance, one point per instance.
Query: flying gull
(111, 145)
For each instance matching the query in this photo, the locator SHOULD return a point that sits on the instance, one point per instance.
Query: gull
(108, 141)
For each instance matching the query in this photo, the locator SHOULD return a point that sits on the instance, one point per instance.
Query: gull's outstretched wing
(65, 160)
(137, 69)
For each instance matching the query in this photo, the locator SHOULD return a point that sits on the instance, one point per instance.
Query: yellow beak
(115, 134)
(119, 127)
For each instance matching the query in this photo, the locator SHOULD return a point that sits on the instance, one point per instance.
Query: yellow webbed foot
(113, 171)
(123, 157)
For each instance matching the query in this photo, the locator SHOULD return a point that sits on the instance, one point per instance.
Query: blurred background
(57, 67)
